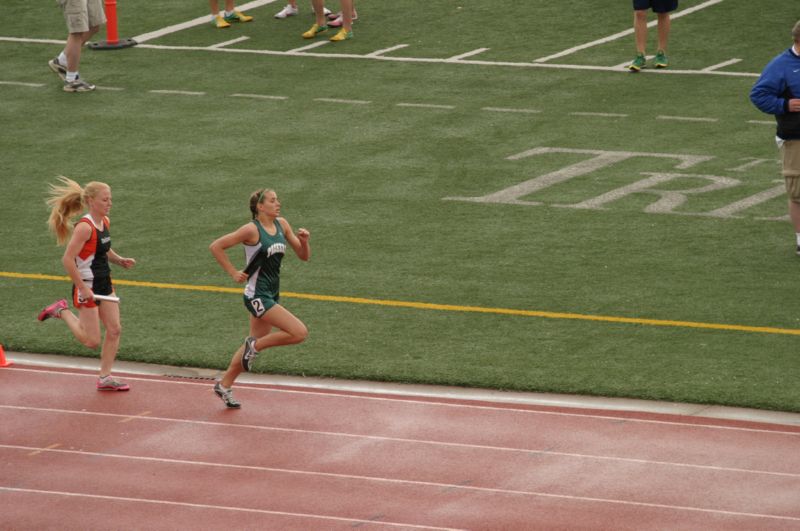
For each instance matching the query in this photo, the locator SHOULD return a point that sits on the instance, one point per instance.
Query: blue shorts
(658, 6)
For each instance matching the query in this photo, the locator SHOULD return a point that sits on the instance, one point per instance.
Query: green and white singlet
(262, 290)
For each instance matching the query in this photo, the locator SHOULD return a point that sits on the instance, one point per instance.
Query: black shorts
(99, 286)
(658, 6)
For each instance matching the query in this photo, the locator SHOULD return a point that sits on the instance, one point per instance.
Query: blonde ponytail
(65, 200)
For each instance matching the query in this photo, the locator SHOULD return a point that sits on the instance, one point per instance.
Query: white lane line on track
(219, 508)
(405, 440)
(417, 483)
(418, 402)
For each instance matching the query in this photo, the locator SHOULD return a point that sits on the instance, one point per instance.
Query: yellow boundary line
(438, 307)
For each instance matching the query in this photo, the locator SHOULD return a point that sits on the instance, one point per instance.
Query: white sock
(71, 76)
(797, 234)
(228, 13)
(62, 59)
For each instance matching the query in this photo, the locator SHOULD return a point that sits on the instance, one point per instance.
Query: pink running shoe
(338, 20)
(107, 383)
(53, 310)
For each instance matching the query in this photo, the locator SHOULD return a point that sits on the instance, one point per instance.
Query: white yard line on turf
(232, 41)
(721, 65)
(199, 21)
(504, 109)
(686, 119)
(21, 84)
(308, 47)
(425, 106)
(465, 55)
(600, 114)
(260, 96)
(337, 100)
(376, 53)
(33, 41)
(377, 56)
(625, 33)
(177, 92)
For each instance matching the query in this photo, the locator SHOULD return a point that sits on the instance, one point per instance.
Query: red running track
(168, 455)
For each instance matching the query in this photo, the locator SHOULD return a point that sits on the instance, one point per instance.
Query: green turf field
(558, 225)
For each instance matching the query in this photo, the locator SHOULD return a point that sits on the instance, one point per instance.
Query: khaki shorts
(790, 152)
(81, 15)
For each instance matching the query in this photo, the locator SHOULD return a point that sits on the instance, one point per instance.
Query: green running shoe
(661, 60)
(638, 63)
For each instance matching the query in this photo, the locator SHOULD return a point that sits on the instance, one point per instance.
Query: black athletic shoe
(227, 396)
(250, 353)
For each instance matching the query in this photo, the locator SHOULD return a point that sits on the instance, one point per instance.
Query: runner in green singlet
(271, 325)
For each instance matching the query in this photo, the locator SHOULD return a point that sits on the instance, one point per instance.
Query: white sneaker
(287, 11)
(325, 10)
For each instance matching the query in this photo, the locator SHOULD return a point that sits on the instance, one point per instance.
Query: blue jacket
(779, 82)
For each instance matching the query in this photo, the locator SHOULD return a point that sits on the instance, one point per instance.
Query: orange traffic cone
(3, 361)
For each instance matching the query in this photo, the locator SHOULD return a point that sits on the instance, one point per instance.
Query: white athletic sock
(71, 76)
(228, 13)
(797, 234)
(62, 59)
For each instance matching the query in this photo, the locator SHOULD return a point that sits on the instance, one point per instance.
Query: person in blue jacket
(777, 92)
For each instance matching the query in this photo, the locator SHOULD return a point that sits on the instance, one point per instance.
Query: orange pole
(112, 35)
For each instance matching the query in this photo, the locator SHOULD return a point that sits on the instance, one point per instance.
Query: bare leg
(794, 214)
(347, 14)
(640, 30)
(214, 6)
(85, 328)
(664, 23)
(291, 331)
(319, 11)
(73, 51)
(109, 315)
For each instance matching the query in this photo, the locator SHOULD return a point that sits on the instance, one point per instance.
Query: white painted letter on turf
(601, 159)
(669, 199)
